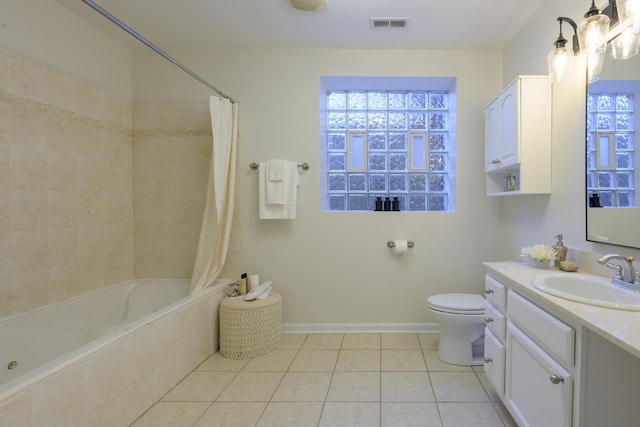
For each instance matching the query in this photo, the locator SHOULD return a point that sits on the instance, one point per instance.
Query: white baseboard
(427, 328)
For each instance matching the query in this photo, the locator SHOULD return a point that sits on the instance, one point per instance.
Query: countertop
(622, 328)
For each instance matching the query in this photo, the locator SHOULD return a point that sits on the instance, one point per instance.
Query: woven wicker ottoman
(250, 328)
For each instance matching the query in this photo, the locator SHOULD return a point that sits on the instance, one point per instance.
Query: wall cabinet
(518, 138)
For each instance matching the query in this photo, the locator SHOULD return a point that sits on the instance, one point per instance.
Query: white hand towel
(276, 169)
(277, 200)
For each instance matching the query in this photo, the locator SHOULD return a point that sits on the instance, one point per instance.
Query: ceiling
(432, 24)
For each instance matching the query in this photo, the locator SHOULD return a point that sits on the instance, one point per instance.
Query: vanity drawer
(494, 362)
(495, 321)
(550, 333)
(495, 292)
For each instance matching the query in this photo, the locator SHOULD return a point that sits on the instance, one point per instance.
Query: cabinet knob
(488, 291)
(488, 360)
(488, 320)
(556, 379)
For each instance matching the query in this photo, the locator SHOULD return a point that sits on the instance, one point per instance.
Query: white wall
(334, 267)
(537, 219)
(48, 33)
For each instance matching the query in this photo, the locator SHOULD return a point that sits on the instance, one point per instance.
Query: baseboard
(427, 328)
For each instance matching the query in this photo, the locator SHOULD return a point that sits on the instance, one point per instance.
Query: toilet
(461, 319)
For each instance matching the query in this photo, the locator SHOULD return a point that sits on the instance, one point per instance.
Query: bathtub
(104, 358)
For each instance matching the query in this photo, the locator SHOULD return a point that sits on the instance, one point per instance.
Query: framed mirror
(613, 154)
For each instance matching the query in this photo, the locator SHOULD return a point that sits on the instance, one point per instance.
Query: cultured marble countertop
(622, 328)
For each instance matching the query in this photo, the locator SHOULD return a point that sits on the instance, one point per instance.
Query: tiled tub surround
(118, 376)
(66, 198)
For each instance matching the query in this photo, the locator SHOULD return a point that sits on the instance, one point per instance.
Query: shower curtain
(218, 212)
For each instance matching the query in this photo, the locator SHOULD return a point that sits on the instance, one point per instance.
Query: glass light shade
(595, 60)
(629, 9)
(592, 32)
(559, 62)
(626, 44)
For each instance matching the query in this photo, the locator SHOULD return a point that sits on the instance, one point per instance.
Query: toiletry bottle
(395, 204)
(387, 203)
(243, 284)
(378, 203)
(561, 251)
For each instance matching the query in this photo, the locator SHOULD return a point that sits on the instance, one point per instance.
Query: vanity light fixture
(591, 37)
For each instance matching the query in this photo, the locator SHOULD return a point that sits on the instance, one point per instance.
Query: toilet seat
(463, 304)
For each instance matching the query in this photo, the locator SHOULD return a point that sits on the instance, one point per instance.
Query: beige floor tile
(350, 414)
(402, 360)
(323, 341)
(291, 414)
(400, 341)
(354, 387)
(276, 360)
(469, 415)
(358, 360)
(406, 387)
(435, 364)
(429, 341)
(232, 414)
(361, 342)
(252, 387)
(303, 387)
(410, 415)
(457, 387)
(200, 386)
(172, 414)
(218, 362)
(292, 341)
(315, 360)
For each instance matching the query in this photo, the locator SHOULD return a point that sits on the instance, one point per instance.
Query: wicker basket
(250, 328)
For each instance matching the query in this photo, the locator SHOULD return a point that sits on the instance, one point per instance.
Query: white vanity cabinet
(494, 336)
(518, 138)
(539, 355)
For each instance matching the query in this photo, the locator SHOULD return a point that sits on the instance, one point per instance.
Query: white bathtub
(105, 357)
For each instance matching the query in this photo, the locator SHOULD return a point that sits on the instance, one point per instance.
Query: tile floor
(333, 380)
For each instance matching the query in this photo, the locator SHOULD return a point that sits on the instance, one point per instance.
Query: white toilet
(461, 319)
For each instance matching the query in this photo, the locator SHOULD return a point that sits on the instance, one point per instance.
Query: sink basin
(587, 289)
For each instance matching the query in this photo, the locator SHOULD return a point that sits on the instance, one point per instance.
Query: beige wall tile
(59, 401)
(16, 412)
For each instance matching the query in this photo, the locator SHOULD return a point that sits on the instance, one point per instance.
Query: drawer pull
(488, 291)
(488, 320)
(556, 379)
(488, 360)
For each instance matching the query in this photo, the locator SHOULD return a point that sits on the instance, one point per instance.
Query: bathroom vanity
(556, 362)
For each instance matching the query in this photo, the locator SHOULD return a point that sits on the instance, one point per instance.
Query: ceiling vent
(379, 23)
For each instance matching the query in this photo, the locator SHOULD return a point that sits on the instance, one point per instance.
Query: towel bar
(254, 166)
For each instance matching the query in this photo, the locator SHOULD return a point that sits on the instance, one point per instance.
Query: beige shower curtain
(218, 212)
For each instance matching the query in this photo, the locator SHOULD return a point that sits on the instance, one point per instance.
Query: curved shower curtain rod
(155, 48)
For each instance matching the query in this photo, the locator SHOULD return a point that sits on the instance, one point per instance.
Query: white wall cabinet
(518, 138)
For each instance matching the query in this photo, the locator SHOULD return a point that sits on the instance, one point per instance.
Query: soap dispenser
(561, 251)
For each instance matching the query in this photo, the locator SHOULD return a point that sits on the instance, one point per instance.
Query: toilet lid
(457, 303)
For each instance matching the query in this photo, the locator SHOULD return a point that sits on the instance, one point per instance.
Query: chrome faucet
(625, 275)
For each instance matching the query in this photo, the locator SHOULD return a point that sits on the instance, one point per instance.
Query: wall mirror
(613, 154)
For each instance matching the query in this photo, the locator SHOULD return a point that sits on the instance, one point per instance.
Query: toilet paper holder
(392, 244)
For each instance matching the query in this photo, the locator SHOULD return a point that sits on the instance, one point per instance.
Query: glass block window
(610, 165)
(388, 143)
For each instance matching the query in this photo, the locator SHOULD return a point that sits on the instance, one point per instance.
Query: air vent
(379, 23)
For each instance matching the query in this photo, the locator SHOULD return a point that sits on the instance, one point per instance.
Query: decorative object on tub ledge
(278, 183)
(254, 166)
(540, 255)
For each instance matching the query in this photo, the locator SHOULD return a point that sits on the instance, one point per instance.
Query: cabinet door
(493, 136)
(510, 119)
(494, 359)
(538, 391)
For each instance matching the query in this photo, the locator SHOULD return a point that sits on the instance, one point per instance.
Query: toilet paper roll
(400, 247)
